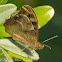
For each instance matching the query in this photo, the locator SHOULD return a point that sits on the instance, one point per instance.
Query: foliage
(43, 13)
(3, 2)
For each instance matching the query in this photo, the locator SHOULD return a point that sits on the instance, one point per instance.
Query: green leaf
(4, 56)
(3, 2)
(19, 57)
(8, 45)
(3, 33)
(6, 11)
(44, 14)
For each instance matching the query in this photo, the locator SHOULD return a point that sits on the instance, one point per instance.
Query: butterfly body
(23, 27)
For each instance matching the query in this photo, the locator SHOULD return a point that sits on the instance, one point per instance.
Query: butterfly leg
(25, 48)
(29, 56)
(32, 52)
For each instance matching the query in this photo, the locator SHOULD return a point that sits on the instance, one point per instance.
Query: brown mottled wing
(23, 27)
(28, 11)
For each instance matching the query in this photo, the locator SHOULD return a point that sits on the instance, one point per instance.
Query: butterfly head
(40, 46)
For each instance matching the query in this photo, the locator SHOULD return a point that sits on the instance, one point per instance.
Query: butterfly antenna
(50, 39)
(47, 46)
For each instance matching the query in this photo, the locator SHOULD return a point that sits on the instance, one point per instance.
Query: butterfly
(23, 27)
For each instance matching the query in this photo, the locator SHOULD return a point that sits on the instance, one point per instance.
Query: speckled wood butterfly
(23, 27)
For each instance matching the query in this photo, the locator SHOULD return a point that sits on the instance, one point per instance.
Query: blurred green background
(52, 28)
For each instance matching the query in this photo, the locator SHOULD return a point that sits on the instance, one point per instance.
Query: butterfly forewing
(28, 11)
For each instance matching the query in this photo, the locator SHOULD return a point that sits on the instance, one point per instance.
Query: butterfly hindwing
(23, 27)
